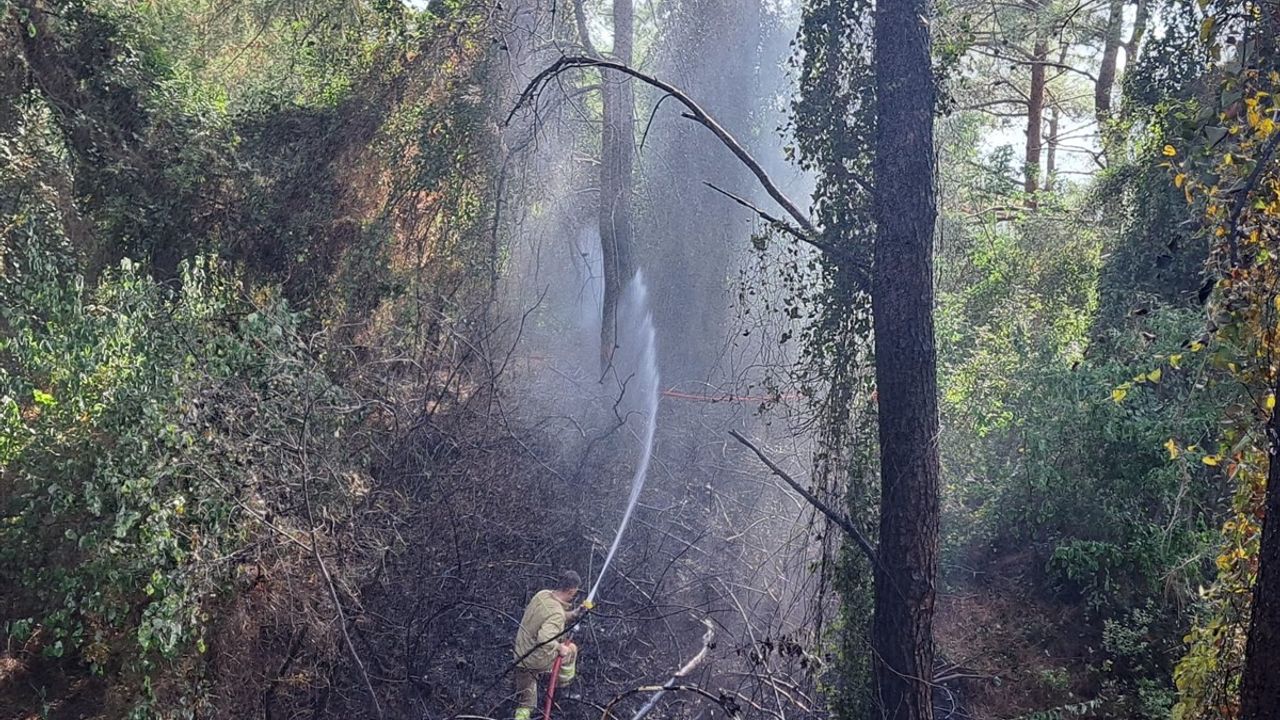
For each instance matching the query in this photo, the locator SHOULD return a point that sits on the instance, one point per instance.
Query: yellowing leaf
(1118, 394)
(1206, 28)
(1210, 460)
(1154, 375)
(1179, 179)
(1175, 360)
(1172, 447)
(1196, 346)
(1170, 151)
(1271, 401)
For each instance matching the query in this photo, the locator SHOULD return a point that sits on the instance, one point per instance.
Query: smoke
(709, 532)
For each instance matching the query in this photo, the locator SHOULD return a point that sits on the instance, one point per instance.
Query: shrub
(149, 437)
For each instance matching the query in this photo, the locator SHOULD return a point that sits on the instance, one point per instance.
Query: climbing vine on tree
(1227, 168)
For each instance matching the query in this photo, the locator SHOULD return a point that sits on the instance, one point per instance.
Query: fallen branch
(673, 683)
(843, 522)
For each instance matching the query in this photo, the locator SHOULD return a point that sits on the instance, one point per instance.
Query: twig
(324, 569)
(777, 222)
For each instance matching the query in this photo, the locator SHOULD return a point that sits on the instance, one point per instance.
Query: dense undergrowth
(232, 274)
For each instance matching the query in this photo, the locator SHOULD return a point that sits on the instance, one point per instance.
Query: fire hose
(587, 605)
(551, 689)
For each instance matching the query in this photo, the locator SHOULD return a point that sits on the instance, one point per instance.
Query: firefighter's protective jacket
(543, 619)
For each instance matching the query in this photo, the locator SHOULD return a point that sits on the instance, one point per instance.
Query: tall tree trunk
(617, 151)
(1035, 117)
(1260, 684)
(1260, 681)
(1105, 84)
(1051, 149)
(904, 212)
(1140, 18)
(1051, 139)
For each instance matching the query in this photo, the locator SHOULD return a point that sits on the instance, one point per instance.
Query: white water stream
(637, 368)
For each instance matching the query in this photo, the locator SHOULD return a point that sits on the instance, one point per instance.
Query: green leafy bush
(146, 435)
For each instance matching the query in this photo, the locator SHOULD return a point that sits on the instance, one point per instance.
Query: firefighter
(541, 639)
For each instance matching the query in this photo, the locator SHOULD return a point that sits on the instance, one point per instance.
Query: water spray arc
(636, 338)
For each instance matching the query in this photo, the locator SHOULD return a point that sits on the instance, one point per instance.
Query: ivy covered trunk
(1260, 685)
(904, 210)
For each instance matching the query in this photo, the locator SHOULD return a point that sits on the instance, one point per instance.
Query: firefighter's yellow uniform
(536, 650)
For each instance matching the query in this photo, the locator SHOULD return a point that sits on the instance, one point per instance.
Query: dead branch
(843, 522)
(324, 569)
(689, 667)
(807, 233)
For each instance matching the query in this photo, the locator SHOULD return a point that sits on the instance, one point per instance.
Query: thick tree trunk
(1260, 685)
(902, 304)
(617, 149)
(1260, 681)
(1140, 18)
(1105, 84)
(1035, 117)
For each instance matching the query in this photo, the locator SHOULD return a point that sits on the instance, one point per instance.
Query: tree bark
(1051, 149)
(1260, 684)
(1035, 117)
(1105, 84)
(1051, 139)
(617, 151)
(904, 211)
(1140, 18)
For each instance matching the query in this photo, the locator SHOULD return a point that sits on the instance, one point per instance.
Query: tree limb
(688, 667)
(698, 115)
(777, 222)
(1250, 183)
(843, 522)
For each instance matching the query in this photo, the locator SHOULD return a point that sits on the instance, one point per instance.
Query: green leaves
(126, 466)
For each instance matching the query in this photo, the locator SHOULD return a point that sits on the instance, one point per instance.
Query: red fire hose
(551, 688)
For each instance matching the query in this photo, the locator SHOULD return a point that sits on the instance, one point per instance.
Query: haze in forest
(788, 359)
